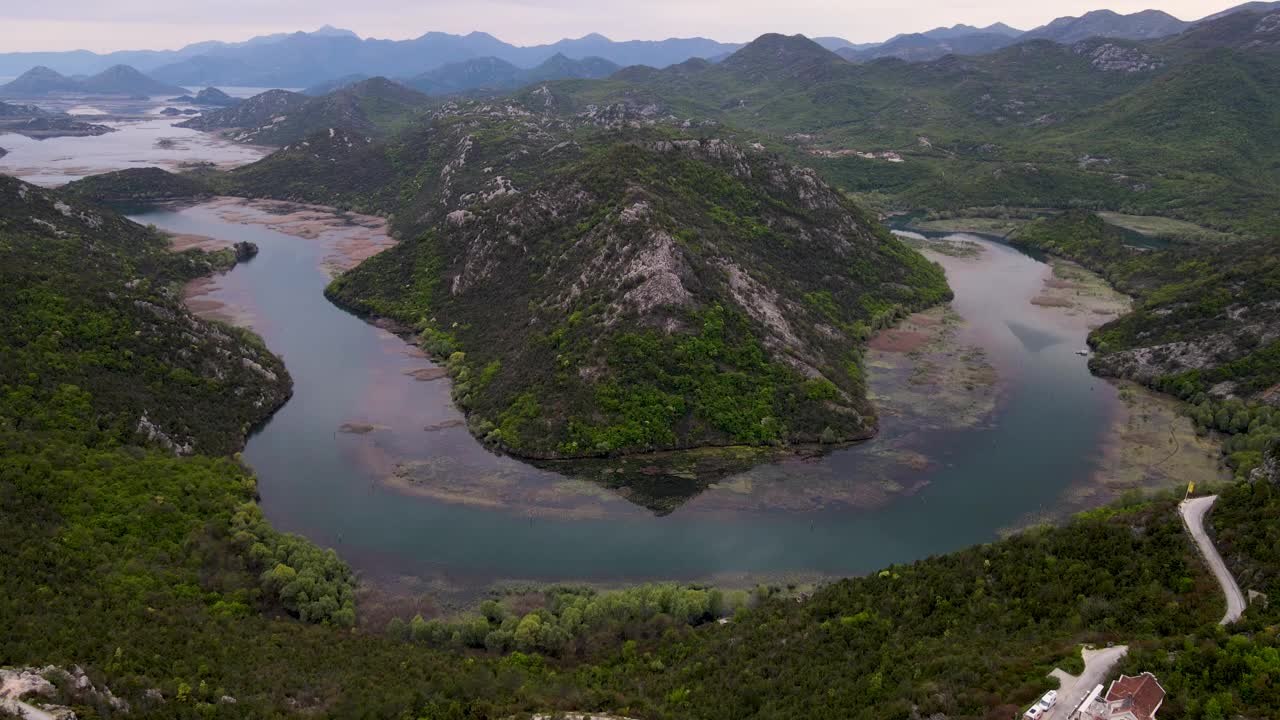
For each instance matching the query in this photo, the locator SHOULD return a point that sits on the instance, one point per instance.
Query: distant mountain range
(1145, 25)
(116, 80)
(496, 74)
(921, 47)
(332, 57)
(306, 59)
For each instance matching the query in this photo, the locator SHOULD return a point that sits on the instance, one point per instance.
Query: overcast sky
(105, 25)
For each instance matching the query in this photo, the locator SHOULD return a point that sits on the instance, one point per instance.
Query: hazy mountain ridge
(494, 74)
(116, 80)
(305, 59)
(1145, 25)
(921, 47)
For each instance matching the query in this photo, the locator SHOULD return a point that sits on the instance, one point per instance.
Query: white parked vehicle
(1049, 700)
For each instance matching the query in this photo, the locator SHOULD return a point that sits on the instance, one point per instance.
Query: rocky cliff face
(1269, 471)
(1113, 57)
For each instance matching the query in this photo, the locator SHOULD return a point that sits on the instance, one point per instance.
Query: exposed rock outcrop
(1110, 57)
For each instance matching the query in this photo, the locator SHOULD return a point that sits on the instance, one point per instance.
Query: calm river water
(407, 495)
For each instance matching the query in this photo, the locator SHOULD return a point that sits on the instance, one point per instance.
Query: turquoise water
(332, 486)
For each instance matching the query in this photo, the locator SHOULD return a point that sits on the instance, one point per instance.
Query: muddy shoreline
(350, 238)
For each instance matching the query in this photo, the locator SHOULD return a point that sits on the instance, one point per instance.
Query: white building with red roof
(1129, 698)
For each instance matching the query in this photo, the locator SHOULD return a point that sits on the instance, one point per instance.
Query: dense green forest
(134, 548)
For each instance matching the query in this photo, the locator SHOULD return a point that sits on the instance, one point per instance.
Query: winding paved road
(1193, 512)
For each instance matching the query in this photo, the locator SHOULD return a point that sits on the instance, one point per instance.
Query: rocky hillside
(94, 321)
(374, 107)
(1208, 318)
(255, 116)
(656, 290)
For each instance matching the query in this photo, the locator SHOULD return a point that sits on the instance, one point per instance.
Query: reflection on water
(370, 456)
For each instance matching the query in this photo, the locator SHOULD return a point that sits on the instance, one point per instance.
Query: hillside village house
(1129, 698)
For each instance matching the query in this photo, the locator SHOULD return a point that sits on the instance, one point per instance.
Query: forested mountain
(655, 246)
(84, 280)
(1010, 127)
(254, 115)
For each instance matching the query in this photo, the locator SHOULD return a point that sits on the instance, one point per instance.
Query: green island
(664, 260)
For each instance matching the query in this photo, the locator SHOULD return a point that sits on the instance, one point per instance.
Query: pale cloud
(104, 25)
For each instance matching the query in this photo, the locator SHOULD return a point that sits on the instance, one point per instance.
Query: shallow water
(470, 518)
(139, 127)
(56, 161)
